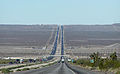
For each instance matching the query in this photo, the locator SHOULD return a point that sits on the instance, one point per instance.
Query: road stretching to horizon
(58, 68)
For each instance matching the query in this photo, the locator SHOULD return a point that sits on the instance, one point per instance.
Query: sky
(59, 11)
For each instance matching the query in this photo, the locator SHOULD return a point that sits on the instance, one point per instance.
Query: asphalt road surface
(59, 68)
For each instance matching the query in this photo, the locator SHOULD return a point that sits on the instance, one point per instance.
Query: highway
(58, 68)
(54, 47)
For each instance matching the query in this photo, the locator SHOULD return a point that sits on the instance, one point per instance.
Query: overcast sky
(59, 11)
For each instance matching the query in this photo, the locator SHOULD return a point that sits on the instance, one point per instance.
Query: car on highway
(62, 60)
(69, 59)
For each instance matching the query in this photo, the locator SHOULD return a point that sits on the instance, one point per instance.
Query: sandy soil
(26, 40)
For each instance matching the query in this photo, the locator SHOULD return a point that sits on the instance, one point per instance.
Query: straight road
(59, 68)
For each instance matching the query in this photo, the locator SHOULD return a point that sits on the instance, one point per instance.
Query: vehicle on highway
(62, 60)
(69, 59)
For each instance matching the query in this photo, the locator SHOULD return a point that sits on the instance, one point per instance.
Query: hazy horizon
(53, 24)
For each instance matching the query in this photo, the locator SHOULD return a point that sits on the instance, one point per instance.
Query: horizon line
(52, 24)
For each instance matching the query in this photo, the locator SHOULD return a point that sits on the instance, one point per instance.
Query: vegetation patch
(99, 63)
(35, 67)
(24, 69)
(5, 70)
(6, 61)
(18, 70)
(118, 72)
